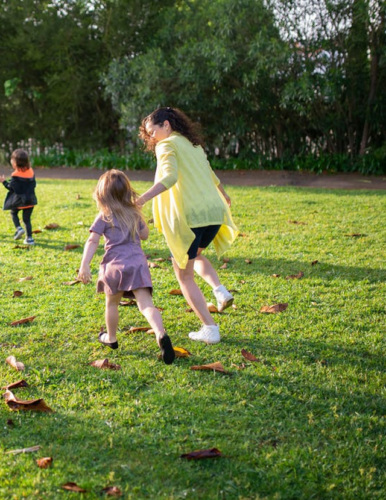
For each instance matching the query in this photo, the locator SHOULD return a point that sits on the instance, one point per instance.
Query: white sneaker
(210, 334)
(19, 233)
(223, 297)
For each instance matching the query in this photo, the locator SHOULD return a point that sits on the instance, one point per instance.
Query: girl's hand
(2, 178)
(84, 275)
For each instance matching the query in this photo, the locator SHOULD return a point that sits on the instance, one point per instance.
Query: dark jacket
(21, 192)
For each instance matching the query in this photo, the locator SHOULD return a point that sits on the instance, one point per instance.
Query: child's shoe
(29, 241)
(223, 297)
(210, 334)
(167, 351)
(19, 233)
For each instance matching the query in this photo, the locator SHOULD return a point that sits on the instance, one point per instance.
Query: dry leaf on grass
(71, 283)
(226, 259)
(105, 364)
(356, 235)
(18, 365)
(175, 291)
(249, 356)
(216, 367)
(181, 352)
(112, 491)
(241, 235)
(275, 275)
(17, 293)
(133, 329)
(248, 261)
(22, 321)
(314, 262)
(297, 222)
(295, 276)
(153, 265)
(70, 486)
(159, 259)
(275, 308)
(71, 247)
(44, 462)
(224, 266)
(130, 302)
(23, 247)
(32, 405)
(23, 450)
(53, 225)
(37, 231)
(27, 278)
(16, 385)
(212, 308)
(200, 454)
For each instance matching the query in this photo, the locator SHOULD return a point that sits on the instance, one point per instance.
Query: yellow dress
(192, 198)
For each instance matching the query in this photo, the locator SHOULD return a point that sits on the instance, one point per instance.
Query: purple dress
(124, 265)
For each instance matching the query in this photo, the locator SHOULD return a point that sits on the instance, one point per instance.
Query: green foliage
(306, 421)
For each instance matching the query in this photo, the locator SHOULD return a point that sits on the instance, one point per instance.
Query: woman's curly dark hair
(179, 122)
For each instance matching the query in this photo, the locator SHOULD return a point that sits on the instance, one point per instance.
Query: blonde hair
(114, 196)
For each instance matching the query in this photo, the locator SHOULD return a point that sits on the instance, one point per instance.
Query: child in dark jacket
(21, 195)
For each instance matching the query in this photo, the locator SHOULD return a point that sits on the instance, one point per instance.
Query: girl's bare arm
(90, 248)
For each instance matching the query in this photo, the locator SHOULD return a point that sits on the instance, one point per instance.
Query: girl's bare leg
(192, 293)
(112, 317)
(154, 318)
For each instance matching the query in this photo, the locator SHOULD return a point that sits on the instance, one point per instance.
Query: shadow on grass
(284, 268)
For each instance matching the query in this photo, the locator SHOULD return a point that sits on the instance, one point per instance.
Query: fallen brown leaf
(276, 308)
(275, 275)
(314, 262)
(112, 491)
(17, 293)
(150, 221)
(131, 302)
(70, 486)
(71, 283)
(297, 222)
(159, 259)
(52, 226)
(77, 197)
(23, 247)
(71, 247)
(32, 405)
(248, 261)
(200, 454)
(18, 365)
(24, 450)
(105, 364)
(22, 321)
(295, 276)
(226, 259)
(217, 367)
(37, 231)
(16, 385)
(249, 356)
(10, 422)
(241, 235)
(224, 266)
(181, 352)
(133, 329)
(27, 278)
(356, 235)
(175, 291)
(44, 462)
(212, 308)
(153, 265)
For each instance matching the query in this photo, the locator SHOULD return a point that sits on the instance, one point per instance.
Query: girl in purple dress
(123, 270)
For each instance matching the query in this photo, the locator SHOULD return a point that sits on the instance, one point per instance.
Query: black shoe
(167, 350)
(113, 345)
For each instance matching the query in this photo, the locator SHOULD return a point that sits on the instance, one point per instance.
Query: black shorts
(204, 236)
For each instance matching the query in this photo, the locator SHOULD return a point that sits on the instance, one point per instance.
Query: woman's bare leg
(192, 293)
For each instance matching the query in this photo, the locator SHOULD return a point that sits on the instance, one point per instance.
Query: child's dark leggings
(27, 212)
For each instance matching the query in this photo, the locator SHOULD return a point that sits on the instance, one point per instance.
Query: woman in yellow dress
(190, 208)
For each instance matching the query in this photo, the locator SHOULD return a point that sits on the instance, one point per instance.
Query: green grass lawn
(305, 421)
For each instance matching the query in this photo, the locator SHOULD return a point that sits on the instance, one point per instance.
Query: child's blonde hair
(115, 197)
